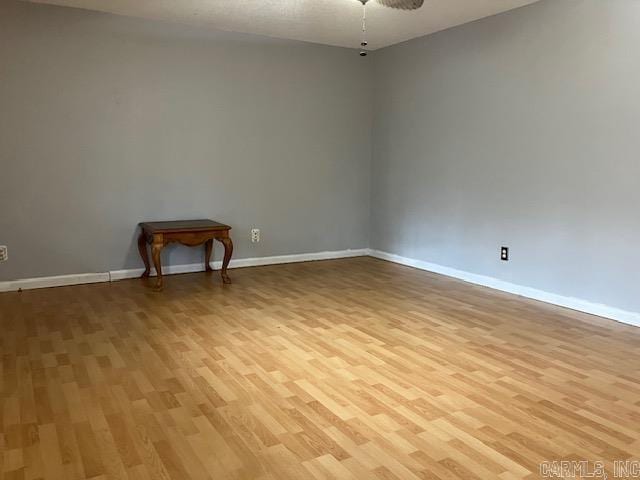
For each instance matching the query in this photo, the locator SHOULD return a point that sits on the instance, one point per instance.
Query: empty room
(319, 239)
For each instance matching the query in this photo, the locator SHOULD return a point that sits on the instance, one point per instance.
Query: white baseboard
(242, 262)
(64, 280)
(57, 281)
(115, 275)
(623, 316)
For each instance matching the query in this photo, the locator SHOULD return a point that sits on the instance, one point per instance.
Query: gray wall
(521, 130)
(106, 121)
(518, 130)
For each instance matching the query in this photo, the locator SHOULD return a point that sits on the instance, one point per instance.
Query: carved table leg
(155, 252)
(228, 251)
(208, 249)
(142, 248)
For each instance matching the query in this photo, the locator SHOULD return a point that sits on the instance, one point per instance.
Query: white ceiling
(331, 22)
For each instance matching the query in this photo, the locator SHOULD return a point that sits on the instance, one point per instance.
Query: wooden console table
(186, 232)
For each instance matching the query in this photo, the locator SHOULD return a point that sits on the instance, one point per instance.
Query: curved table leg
(228, 251)
(144, 253)
(208, 249)
(155, 252)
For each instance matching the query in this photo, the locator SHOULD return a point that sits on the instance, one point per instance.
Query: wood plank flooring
(354, 369)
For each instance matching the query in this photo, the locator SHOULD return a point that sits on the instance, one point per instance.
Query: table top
(183, 226)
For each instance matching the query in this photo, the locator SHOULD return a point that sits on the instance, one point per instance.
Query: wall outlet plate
(4, 253)
(504, 254)
(255, 235)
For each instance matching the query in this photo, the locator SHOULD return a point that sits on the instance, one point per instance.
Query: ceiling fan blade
(402, 4)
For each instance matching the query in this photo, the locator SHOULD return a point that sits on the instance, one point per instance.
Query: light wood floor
(353, 368)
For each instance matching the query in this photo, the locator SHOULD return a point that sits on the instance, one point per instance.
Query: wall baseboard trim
(84, 278)
(623, 316)
(584, 306)
(57, 281)
(243, 262)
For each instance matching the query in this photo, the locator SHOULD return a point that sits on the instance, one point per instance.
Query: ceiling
(331, 22)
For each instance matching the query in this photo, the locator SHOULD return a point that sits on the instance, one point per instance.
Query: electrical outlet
(4, 253)
(255, 235)
(504, 254)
